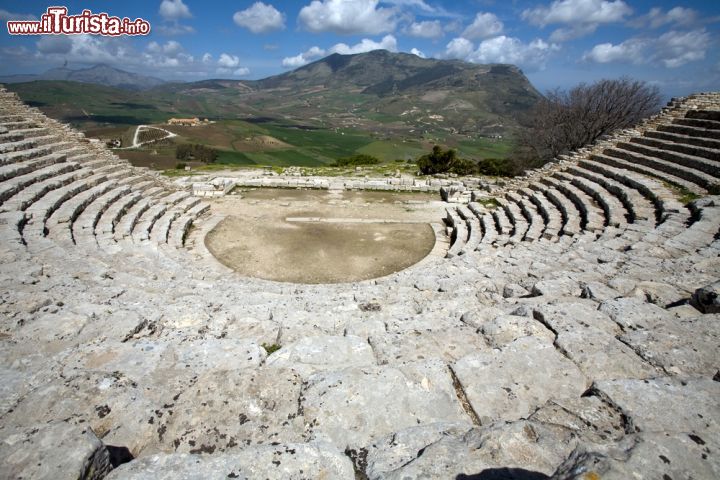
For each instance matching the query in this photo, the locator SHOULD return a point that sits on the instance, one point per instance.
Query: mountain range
(397, 93)
(100, 74)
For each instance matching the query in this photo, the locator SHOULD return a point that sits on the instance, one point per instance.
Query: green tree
(438, 161)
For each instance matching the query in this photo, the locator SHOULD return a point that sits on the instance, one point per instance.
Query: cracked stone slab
(450, 344)
(324, 352)
(574, 316)
(351, 407)
(646, 456)
(227, 410)
(57, 450)
(497, 451)
(666, 404)
(634, 313)
(505, 329)
(683, 346)
(274, 462)
(588, 416)
(509, 383)
(601, 356)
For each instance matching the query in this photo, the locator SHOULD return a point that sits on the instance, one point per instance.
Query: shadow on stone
(504, 474)
(119, 455)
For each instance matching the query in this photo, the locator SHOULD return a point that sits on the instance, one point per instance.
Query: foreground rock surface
(571, 334)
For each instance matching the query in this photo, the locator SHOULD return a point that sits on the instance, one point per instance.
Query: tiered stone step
(570, 214)
(591, 215)
(41, 210)
(145, 224)
(517, 221)
(616, 181)
(613, 210)
(534, 220)
(551, 215)
(634, 154)
(474, 231)
(84, 227)
(458, 232)
(180, 227)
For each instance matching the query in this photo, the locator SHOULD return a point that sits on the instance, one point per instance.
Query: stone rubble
(571, 332)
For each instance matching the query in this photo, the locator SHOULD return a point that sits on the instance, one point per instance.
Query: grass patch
(488, 202)
(270, 349)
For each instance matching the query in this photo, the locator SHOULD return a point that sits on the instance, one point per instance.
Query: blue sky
(556, 43)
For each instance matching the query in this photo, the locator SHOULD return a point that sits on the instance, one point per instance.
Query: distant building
(187, 122)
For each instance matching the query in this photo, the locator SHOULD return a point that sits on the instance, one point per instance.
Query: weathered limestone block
(505, 329)
(601, 356)
(448, 344)
(521, 449)
(557, 287)
(706, 298)
(576, 315)
(352, 407)
(510, 382)
(634, 313)
(599, 291)
(53, 451)
(364, 328)
(686, 346)
(223, 411)
(590, 417)
(666, 404)
(646, 455)
(326, 352)
(274, 462)
(512, 290)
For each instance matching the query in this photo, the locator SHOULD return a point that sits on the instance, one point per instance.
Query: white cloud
(207, 58)
(502, 49)
(419, 4)
(228, 61)
(576, 31)
(578, 11)
(675, 48)
(459, 48)
(656, 17)
(303, 58)
(629, 51)
(347, 17)
(485, 25)
(6, 16)
(426, 29)
(241, 72)
(174, 10)
(417, 52)
(672, 49)
(59, 44)
(260, 18)
(583, 16)
(388, 42)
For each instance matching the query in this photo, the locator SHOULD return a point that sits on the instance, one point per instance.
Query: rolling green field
(244, 135)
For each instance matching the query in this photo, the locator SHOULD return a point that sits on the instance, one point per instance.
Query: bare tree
(567, 120)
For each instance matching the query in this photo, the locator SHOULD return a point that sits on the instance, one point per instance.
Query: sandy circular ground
(316, 236)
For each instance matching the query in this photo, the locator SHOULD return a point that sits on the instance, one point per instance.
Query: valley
(389, 105)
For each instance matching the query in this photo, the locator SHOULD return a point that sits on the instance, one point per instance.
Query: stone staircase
(572, 332)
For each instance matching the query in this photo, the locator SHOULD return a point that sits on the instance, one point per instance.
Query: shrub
(202, 153)
(567, 120)
(180, 166)
(463, 166)
(437, 161)
(353, 160)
